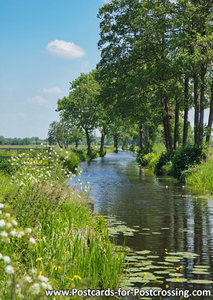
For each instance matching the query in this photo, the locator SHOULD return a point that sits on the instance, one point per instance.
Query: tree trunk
(186, 112)
(141, 137)
(202, 95)
(147, 139)
(167, 126)
(176, 132)
(165, 133)
(116, 143)
(196, 115)
(88, 143)
(210, 122)
(102, 143)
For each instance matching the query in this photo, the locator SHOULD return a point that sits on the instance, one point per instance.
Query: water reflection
(184, 221)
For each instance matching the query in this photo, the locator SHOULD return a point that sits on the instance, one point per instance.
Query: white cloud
(37, 100)
(53, 90)
(65, 49)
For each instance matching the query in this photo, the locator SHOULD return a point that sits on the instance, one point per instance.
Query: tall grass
(58, 242)
(201, 177)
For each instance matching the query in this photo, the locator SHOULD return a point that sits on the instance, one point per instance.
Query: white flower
(14, 222)
(1, 256)
(28, 230)
(35, 288)
(42, 278)
(6, 259)
(13, 232)
(4, 234)
(1, 205)
(33, 271)
(44, 285)
(28, 278)
(7, 215)
(9, 225)
(9, 270)
(20, 234)
(32, 240)
(2, 223)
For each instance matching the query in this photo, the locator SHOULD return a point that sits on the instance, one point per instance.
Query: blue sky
(45, 44)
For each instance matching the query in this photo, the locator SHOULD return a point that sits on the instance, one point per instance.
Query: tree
(81, 108)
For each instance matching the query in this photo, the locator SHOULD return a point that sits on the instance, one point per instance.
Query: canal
(165, 218)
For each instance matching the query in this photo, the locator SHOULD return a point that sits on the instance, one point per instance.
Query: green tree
(81, 108)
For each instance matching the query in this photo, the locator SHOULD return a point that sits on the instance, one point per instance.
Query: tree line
(21, 141)
(156, 65)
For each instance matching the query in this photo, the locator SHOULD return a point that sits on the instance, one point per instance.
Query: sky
(45, 44)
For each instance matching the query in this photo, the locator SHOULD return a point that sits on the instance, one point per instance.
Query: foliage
(165, 158)
(144, 159)
(186, 157)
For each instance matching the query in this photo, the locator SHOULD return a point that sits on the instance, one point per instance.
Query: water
(184, 222)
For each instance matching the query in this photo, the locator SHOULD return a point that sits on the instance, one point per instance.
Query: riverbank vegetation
(49, 236)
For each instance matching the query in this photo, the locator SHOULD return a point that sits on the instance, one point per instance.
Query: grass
(57, 242)
(201, 177)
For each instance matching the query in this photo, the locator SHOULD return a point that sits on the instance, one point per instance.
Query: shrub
(163, 160)
(186, 157)
(72, 161)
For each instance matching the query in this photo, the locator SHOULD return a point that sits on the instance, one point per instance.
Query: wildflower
(4, 234)
(76, 277)
(7, 215)
(144, 273)
(32, 240)
(177, 279)
(13, 232)
(1, 205)
(1, 256)
(20, 234)
(167, 286)
(56, 267)
(9, 270)
(14, 222)
(42, 278)
(39, 258)
(6, 259)
(28, 279)
(9, 225)
(2, 223)
(35, 289)
(28, 230)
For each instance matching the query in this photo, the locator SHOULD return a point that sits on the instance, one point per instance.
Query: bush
(72, 161)
(186, 157)
(163, 160)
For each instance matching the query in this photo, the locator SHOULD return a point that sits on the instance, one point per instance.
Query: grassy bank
(49, 237)
(185, 164)
(201, 177)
